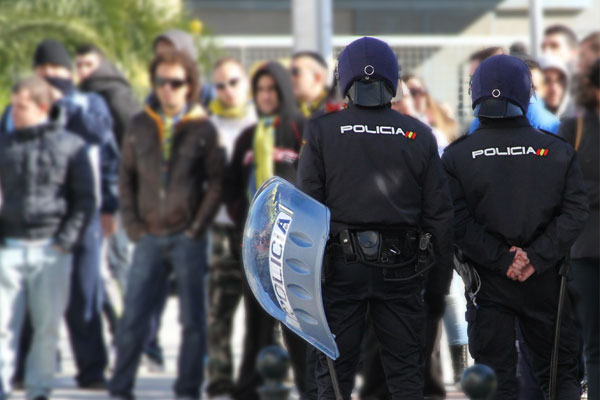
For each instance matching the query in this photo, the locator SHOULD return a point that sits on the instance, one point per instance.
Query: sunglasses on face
(416, 92)
(172, 82)
(231, 83)
(295, 71)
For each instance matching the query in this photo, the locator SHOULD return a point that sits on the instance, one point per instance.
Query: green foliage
(123, 29)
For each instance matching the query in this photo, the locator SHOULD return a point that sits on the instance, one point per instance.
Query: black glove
(435, 302)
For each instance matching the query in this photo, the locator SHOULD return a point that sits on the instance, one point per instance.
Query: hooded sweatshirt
(114, 88)
(183, 41)
(566, 107)
(284, 129)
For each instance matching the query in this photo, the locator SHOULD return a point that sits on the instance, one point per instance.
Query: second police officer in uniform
(519, 204)
(379, 173)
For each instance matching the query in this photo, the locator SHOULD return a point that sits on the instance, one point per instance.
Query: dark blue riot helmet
(501, 87)
(367, 72)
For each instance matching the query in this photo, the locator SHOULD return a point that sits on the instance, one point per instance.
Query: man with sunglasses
(231, 113)
(170, 185)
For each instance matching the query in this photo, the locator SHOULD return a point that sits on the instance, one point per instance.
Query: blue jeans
(454, 316)
(153, 258)
(84, 312)
(34, 276)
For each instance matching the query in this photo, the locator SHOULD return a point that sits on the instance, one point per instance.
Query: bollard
(479, 382)
(273, 364)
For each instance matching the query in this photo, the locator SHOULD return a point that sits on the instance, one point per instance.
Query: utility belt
(403, 254)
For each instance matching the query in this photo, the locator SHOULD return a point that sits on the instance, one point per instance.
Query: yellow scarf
(309, 107)
(167, 139)
(264, 145)
(217, 108)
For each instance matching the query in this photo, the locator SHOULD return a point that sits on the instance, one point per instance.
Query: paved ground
(157, 386)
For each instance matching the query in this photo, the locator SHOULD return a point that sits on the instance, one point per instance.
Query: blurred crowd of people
(110, 205)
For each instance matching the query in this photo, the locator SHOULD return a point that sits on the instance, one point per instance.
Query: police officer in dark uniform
(519, 204)
(379, 173)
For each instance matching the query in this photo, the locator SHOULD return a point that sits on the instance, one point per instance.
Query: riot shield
(283, 246)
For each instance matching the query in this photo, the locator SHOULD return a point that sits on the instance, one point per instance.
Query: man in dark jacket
(87, 116)
(170, 185)
(176, 39)
(268, 148)
(379, 173)
(583, 132)
(519, 205)
(48, 199)
(98, 75)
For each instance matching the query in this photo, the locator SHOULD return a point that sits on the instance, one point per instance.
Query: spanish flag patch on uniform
(542, 152)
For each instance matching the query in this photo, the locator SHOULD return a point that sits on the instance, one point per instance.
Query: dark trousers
(434, 377)
(585, 286)
(533, 303)
(374, 386)
(153, 259)
(84, 312)
(398, 315)
(529, 388)
(260, 333)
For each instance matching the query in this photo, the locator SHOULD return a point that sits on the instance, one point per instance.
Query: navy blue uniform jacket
(378, 169)
(513, 185)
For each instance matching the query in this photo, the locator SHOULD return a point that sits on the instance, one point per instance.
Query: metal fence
(440, 60)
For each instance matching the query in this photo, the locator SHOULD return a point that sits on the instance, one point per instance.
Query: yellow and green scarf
(264, 146)
(309, 107)
(217, 108)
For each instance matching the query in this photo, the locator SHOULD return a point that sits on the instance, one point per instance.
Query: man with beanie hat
(519, 205)
(52, 52)
(87, 116)
(389, 251)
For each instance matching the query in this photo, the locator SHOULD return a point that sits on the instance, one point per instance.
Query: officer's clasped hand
(521, 269)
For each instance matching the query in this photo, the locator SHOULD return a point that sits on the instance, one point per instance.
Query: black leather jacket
(47, 185)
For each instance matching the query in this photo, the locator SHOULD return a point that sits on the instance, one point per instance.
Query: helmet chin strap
(370, 93)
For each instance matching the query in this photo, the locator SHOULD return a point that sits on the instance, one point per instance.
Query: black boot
(460, 360)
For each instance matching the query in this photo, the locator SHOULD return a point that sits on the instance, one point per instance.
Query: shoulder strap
(578, 132)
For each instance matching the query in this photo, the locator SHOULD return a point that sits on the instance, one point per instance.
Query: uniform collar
(504, 123)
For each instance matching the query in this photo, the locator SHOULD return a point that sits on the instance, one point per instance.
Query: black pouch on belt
(346, 241)
(369, 243)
